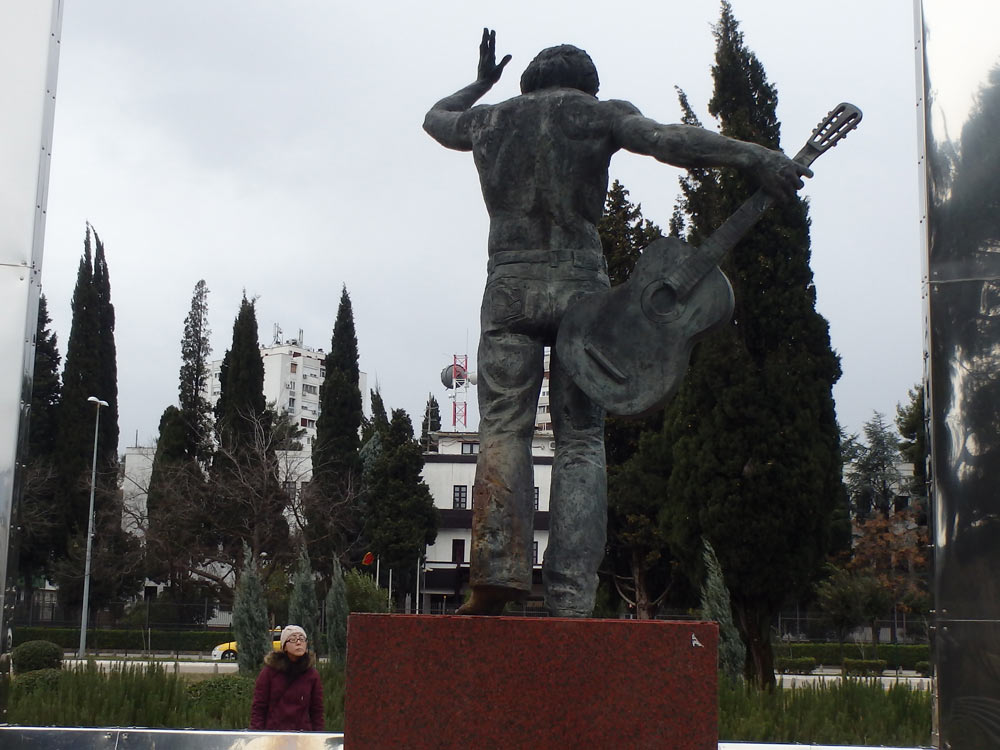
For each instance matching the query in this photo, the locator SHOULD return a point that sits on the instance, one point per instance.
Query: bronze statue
(543, 162)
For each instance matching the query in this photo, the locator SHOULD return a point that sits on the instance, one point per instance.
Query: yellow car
(227, 651)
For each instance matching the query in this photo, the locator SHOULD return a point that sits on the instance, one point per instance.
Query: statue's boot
(489, 600)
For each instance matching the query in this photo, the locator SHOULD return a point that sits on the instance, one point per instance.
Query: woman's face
(295, 646)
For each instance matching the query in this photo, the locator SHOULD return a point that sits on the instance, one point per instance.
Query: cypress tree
(431, 423)
(174, 507)
(756, 446)
(331, 507)
(637, 554)
(715, 606)
(45, 387)
(76, 415)
(303, 607)
(90, 370)
(253, 638)
(241, 397)
(336, 615)
(107, 383)
(247, 502)
(913, 446)
(195, 350)
(402, 519)
(38, 518)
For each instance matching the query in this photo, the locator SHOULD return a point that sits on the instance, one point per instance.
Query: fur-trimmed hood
(279, 660)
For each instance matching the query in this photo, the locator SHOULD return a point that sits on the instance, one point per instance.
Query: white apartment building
(450, 474)
(293, 374)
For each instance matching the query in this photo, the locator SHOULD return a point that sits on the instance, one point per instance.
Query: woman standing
(288, 695)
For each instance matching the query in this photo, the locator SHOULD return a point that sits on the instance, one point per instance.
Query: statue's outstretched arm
(444, 121)
(690, 146)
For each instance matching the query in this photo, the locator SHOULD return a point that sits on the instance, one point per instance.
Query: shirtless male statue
(543, 162)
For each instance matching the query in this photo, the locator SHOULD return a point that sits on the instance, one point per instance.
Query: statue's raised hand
(489, 71)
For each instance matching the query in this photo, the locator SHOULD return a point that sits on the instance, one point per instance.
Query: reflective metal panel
(29, 53)
(961, 115)
(51, 738)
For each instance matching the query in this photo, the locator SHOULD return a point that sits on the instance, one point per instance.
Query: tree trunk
(645, 608)
(755, 630)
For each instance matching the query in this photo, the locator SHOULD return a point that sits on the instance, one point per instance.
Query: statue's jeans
(522, 307)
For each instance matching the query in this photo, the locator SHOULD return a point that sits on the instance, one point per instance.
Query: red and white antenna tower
(456, 378)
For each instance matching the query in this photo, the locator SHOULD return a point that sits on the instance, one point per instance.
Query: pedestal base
(416, 681)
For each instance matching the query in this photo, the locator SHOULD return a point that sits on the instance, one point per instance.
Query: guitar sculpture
(628, 347)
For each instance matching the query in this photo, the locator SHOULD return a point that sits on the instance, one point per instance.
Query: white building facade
(450, 474)
(293, 375)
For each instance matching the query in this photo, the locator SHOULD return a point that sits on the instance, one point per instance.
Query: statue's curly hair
(564, 66)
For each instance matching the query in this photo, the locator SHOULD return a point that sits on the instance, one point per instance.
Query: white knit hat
(288, 631)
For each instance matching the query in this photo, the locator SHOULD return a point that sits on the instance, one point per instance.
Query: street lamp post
(90, 530)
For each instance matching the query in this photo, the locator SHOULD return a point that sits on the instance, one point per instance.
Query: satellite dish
(456, 376)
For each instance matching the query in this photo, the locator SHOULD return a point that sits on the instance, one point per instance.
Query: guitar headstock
(840, 121)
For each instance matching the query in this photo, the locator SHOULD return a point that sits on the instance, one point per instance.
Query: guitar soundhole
(663, 300)
(659, 302)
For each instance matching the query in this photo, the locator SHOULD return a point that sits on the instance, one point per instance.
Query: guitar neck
(684, 278)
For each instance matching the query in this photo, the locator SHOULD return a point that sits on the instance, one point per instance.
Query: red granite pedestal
(416, 681)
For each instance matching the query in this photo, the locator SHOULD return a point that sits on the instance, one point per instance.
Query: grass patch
(842, 712)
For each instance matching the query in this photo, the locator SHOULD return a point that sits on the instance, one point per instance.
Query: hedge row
(833, 654)
(127, 640)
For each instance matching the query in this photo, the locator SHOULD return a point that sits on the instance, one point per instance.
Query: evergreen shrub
(127, 640)
(923, 667)
(39, 680)
(897, 656)
(363, 594)
(36, 655)
(864, 667)
(218, 699)
(800, 665)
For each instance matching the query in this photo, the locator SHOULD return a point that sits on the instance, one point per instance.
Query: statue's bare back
(543, 165)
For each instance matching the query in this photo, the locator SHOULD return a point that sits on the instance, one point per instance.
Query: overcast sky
(277, 148)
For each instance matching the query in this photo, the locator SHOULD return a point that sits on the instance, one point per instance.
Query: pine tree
(715, 606)
(195, 350)
(431, 423)
(336, 615)
(756, 445)
(253, 638)
(873, 477)
(303, 607)
(331, 507)
(402, 519)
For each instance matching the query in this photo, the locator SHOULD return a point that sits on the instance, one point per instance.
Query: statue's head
(564, 66)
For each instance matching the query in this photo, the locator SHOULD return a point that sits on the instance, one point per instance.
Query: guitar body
(629, 347)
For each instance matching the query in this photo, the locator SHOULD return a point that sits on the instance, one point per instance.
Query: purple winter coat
(288, 695)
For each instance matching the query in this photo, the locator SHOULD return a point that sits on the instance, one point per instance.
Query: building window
(291, 403)
(303, 422)
(322, 372)
(534, 553)
(295, 367)
(289, 488)
(470, 449)
(458, 550)
(306, 388)
(536, 498)
(460, 497)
